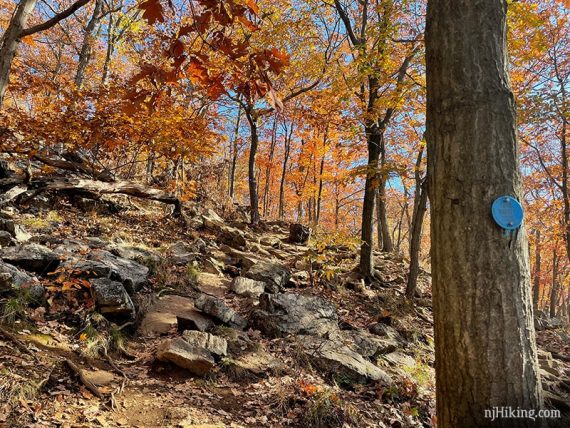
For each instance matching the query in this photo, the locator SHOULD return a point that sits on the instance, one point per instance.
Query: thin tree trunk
(485, 351)
(554, 287)
(253, 196)
(234, 156)
(537, 273)
(268, 168)
(383, 226)
(415, 243)
(88, 40)
(286, 153)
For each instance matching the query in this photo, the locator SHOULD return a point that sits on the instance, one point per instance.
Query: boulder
(111, 298)
(101, 263)
(364, 343)
(274, 275)
(182, 253)
(226, 234)
(290, 313)
(209, 283)
(192, 358)
(17, 231)
(216, 308)
(31, 257)
(6, 239)
(299, 234)
(136, 253)
(213, 344)
(12, 277)
(340, 362)
(247, 287)
(172, 312)
(252, 365)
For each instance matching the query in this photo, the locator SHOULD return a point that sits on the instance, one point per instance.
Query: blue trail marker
(507, 212)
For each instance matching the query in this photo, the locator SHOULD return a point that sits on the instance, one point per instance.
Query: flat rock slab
(13, 277)
(31, 257)
(192, 358)
(291, 313)
(171, 312)
(212, 284)
(365, 343)
(342, 363)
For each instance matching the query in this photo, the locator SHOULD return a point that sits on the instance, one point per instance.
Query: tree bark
(88, 40)
(484, 335)
(287, 151)
(233, 165)
(537, 273)
(10, 41)
(554, 287)
(415, 243)
(253, 196)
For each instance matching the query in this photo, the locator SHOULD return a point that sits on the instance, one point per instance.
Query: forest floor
(265, 380)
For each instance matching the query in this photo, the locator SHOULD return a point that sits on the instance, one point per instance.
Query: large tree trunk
(484, 334)
(10, 41)
(382, 212)
(374, 138)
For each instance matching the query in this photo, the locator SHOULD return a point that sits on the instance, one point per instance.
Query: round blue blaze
(507, 212)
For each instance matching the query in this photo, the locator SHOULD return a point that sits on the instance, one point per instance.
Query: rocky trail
(139, 320)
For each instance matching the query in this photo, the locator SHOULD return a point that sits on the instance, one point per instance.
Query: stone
(211, 265)
(243, 259)
(290, 313)
(182, 253)
(384, 330)
(342, 363)
(102, 263)
(299, 234)
(252, 365)
(209, 283)
(12, 277)
(111, 298)
(274, 275)
(31, 257)
(217, 346)
(192, 358)
(364, 343)
(172, 312)
(16, 230)
(6, 239)
(226, 234)
(99, 377)
(247, 287)
(136, 253)
(216, 308)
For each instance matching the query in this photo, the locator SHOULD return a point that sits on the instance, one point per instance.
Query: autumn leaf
(153, 11)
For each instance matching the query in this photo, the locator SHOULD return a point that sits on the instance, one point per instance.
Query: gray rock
(299, 234)
(227, 234)
(384, 330)
(216, 308)
(6, 239)
(248, 287)
(172, 312)
(215, 345)
(16, 230)
(192, 358)
(341, 362)
(290, 313)
(135, 253)
(101, 263)
(274, 275)
(182, 253)
(213, 266)
(111, 298)
(364, 343)
(32, 257)
(12, 277)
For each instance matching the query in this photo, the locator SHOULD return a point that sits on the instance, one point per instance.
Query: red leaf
(153, 11)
